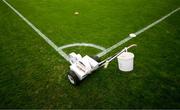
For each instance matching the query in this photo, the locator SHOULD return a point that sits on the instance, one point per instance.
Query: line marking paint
(82, 44)
(104, 52)
(63, 54)
(136, 33)
(113, 47)
(156, 22)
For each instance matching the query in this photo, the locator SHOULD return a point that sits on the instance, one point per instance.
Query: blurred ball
(76, 13)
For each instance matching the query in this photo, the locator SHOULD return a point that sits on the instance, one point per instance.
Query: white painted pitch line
(82, 44)
(63, 54)
(38, 31)
(105, 51)
(136, 33)
(113, 47)
(156, 22)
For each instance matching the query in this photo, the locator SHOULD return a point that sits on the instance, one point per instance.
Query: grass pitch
(33, 75)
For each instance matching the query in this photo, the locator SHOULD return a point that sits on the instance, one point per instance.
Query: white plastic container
(126, 61)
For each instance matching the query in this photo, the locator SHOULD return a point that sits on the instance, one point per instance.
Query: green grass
(33, 75)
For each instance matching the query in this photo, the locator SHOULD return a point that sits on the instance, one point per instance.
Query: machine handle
(109, 59)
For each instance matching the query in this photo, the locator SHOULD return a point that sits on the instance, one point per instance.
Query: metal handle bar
(109, 59)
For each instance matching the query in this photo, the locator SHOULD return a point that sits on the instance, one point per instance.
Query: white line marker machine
(81, 67)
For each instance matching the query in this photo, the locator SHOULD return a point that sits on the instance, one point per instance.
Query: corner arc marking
(82, 44)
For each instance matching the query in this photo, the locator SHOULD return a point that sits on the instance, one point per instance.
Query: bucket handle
(133, 45)
(126, 48)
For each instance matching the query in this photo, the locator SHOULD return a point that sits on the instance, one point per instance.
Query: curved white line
(82, 44)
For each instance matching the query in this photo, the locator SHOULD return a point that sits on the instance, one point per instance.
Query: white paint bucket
(126, 61)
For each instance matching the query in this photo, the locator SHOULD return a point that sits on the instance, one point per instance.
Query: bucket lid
(126, 56)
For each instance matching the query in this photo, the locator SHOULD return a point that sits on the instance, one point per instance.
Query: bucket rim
(126, 56)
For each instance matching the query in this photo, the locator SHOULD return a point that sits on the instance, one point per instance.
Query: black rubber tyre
(73, 78)
(96, 58)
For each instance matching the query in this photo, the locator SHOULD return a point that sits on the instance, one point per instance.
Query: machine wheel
(73, 78)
